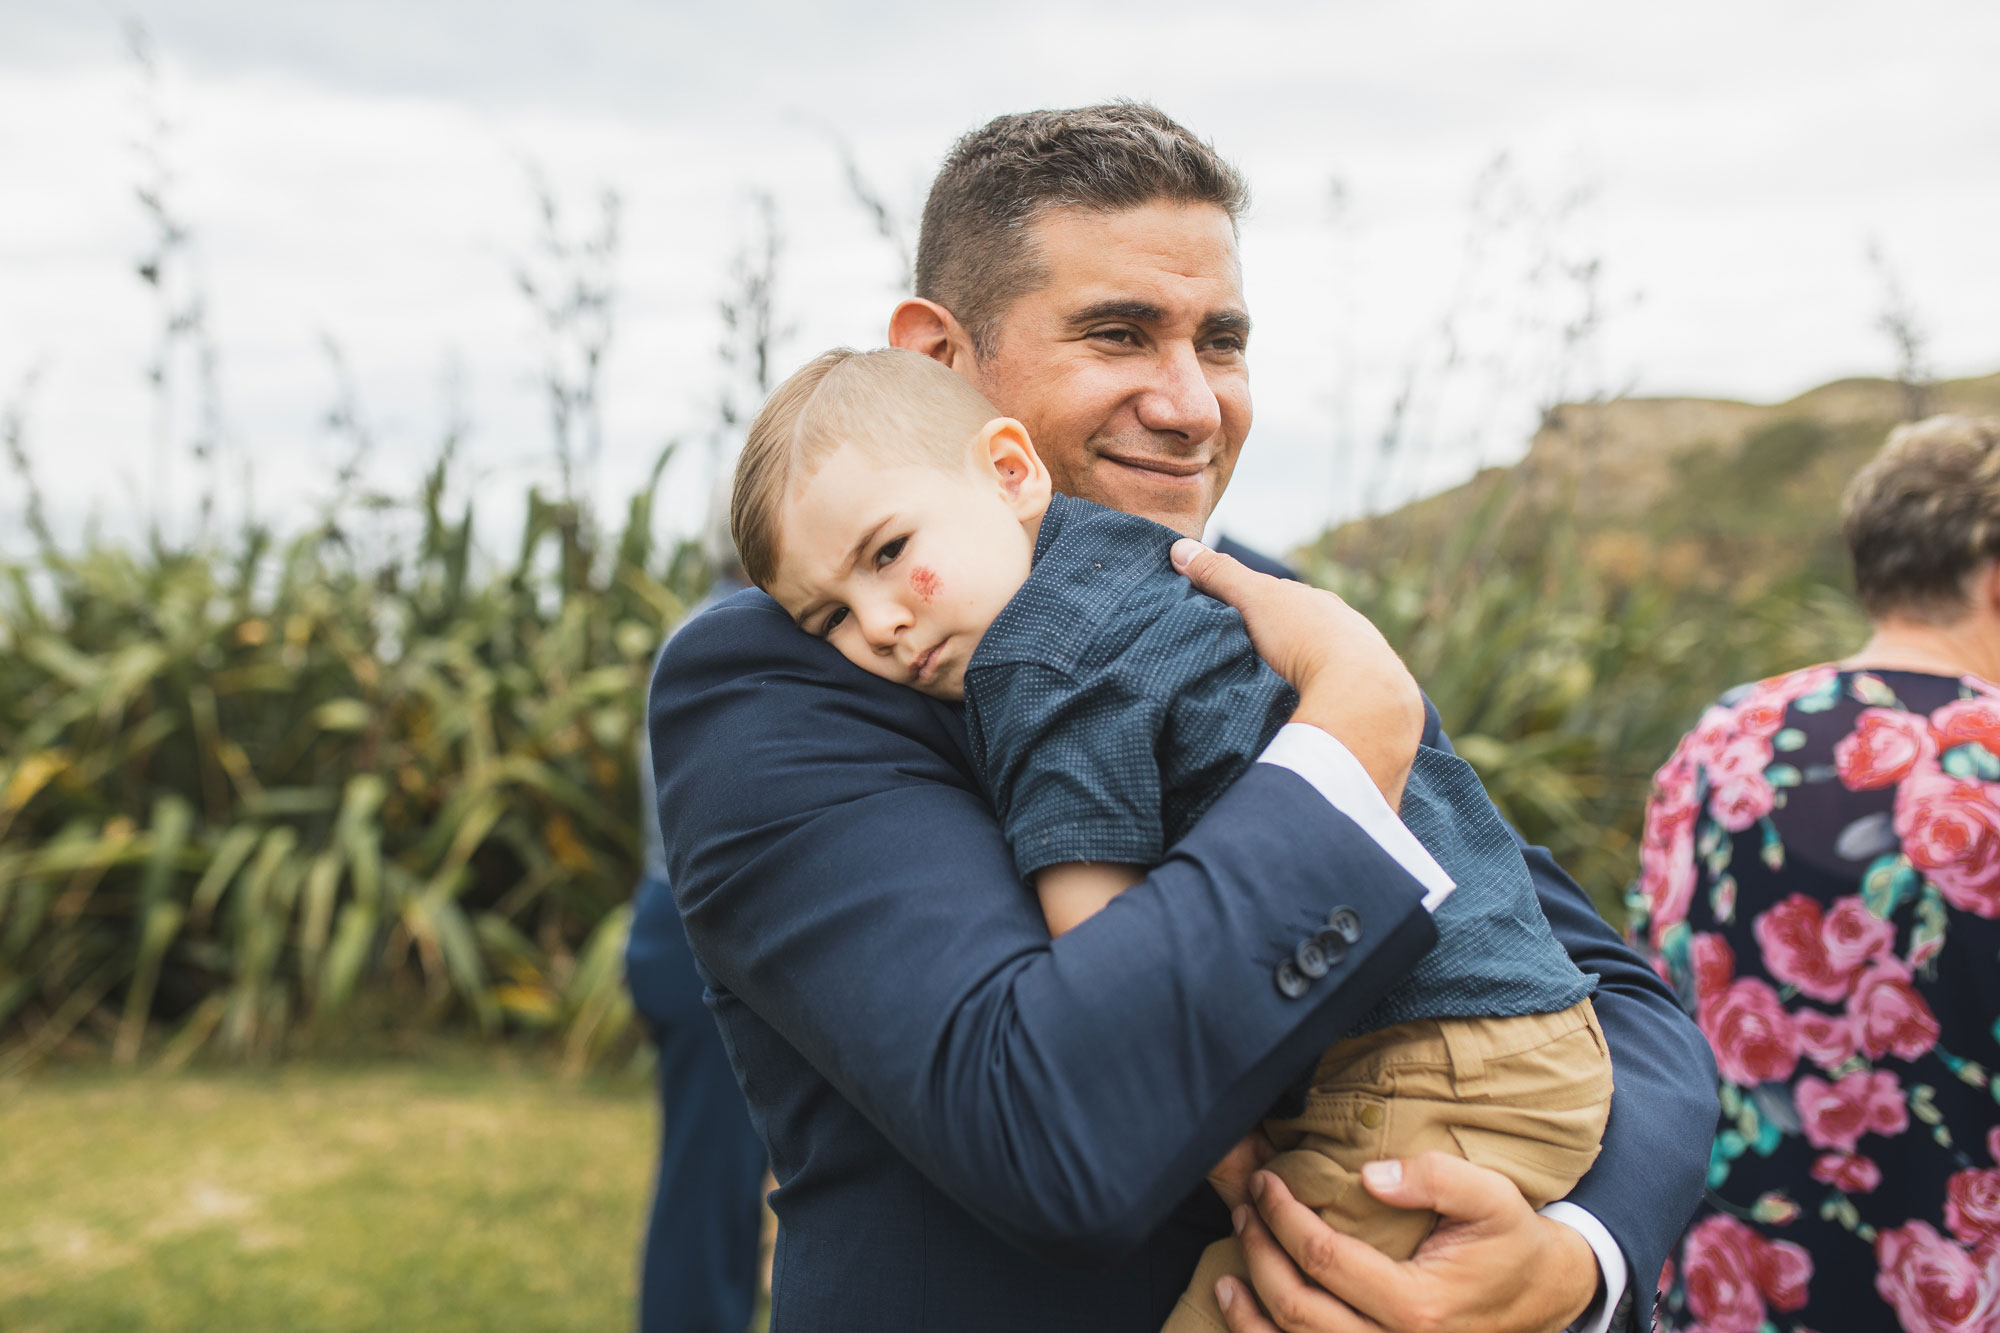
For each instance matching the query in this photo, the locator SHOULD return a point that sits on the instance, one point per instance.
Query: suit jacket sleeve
(839, 871)
(1649, 1175)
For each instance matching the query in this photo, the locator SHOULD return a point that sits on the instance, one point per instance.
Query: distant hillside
(1700, 491)
(1571, 616)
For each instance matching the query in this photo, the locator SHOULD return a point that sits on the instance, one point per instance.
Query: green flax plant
(1564, 678)
(257, 796)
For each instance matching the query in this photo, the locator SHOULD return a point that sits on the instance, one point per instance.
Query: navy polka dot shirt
(1110, 704)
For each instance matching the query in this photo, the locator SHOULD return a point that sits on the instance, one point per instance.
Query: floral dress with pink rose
(1820, 882)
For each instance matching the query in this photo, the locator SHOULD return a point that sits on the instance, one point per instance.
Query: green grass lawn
(320, 1198)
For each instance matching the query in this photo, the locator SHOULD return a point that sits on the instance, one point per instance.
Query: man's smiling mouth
(1165, 469)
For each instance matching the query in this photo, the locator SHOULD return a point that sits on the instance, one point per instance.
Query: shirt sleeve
(1070, 765)
(1320, 758)
(1223, 703)
(1610, 1265)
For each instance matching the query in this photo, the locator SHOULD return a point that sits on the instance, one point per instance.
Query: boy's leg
(1196, 1311)
(1527, 1097)
(1345, 1122)
(1533, 1097)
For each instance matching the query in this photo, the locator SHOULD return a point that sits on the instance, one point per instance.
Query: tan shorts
(1527, 1097)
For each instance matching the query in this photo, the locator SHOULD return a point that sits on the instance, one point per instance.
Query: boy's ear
(1024, 481)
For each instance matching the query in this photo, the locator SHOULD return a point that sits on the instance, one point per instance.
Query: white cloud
(356, 171)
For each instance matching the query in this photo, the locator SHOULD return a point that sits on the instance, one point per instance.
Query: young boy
(885, 505)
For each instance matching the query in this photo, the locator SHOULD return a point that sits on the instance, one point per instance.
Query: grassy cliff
(1571, 615)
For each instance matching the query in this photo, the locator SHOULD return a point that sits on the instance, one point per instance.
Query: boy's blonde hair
(901, 406)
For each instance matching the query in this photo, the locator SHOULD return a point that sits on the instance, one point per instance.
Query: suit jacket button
(1333, 945)
(1310, 959)
(1290, 984)
(1346, 923)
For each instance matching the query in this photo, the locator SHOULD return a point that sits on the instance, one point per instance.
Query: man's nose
(1180, 400)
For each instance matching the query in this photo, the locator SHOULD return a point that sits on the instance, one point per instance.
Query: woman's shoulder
(1830, 782)
(1742, 728)
(1861, 730)
(1863, 760)
(1829, 702)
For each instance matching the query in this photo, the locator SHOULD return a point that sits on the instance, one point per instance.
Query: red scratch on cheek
(923, 583)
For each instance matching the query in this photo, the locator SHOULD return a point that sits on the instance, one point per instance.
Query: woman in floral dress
(1820, 881)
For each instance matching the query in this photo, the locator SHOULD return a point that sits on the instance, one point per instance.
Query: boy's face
(903, 566)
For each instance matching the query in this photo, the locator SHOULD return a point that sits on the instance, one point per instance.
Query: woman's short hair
(1923, 516)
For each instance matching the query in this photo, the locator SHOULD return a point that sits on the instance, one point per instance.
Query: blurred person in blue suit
(698, 1271)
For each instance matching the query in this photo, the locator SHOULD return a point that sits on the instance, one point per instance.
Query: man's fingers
(1221, 576)
(1239, 1308)
(1293, 1303)
(1365, 1283)
(1452, 1187)
(1485, 1266)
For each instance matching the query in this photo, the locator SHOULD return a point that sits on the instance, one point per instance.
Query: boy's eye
(833, 618)
(889, 551)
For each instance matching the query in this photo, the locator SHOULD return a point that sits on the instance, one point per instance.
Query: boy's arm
(1091, 771)
(839, 872)
(1075, 891)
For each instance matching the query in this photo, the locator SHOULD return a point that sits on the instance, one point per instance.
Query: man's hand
(1492, 1265)
(1351, 684)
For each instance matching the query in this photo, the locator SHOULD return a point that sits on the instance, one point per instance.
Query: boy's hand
(1230, 1177)
(1351, 684)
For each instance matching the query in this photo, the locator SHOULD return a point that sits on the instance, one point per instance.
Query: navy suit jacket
(977, 1128)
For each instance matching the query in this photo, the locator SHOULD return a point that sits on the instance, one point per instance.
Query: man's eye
(1115, 335)
(1228, 343)
(833, 618)
(889, 551)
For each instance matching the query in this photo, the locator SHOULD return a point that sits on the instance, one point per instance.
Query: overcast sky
(356, 172)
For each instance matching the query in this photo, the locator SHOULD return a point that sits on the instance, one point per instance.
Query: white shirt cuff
(1610, 1263)
(1336, 774)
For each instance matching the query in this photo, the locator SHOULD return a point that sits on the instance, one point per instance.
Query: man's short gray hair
(975, 252)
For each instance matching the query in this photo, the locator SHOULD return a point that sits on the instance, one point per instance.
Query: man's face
(1127, 366)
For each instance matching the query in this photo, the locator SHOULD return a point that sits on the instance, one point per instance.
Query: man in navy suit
(973, 1127)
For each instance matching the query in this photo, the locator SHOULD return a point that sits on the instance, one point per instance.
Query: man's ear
(924, 326)
(1024, 481)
